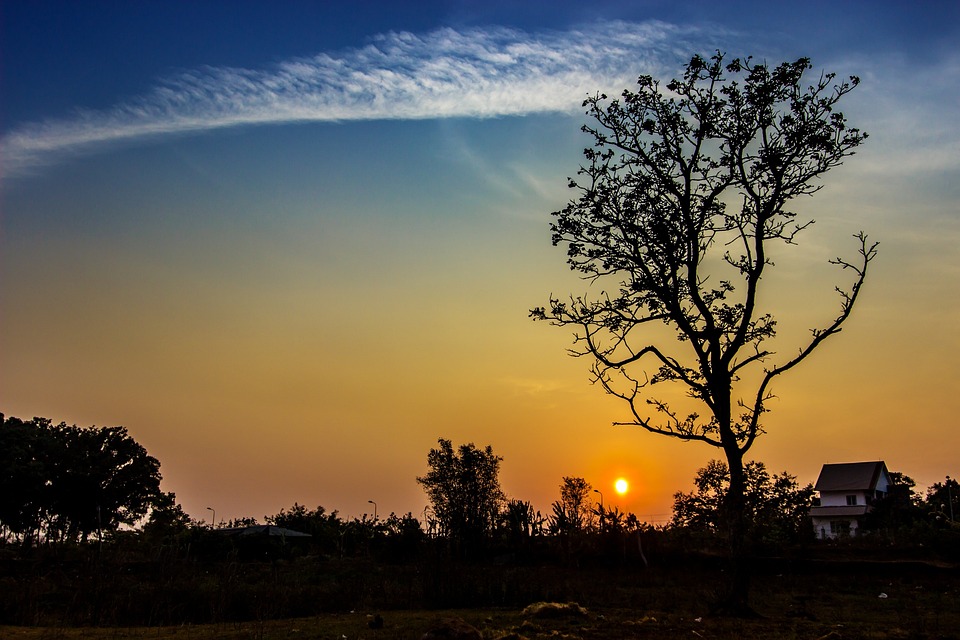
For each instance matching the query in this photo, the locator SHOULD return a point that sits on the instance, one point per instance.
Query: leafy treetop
(685, 190)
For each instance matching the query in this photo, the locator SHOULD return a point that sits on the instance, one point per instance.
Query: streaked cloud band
(475, 73)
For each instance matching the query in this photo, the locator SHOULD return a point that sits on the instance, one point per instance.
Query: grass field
(839, 604)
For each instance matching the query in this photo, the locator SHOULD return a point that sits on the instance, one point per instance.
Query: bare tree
(682, 198)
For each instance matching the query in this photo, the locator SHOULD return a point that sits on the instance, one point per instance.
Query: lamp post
(374, 509)
(601, 507)
(950, 498)
(214, 525)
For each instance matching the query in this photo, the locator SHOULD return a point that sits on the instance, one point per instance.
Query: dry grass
(813, 606)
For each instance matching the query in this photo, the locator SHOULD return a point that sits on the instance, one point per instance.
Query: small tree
(463, 486)
(572, 513)
(167, 517)
(899, 509)
(520, 522)
(943, 500)
(682, 201)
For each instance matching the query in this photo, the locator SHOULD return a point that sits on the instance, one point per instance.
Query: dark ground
(839, 600)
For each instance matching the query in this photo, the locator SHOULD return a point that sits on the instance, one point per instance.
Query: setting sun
(621, 485)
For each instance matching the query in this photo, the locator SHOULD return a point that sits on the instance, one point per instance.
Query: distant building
(847, 493)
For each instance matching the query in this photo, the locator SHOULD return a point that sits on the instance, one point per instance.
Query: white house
(847, 493)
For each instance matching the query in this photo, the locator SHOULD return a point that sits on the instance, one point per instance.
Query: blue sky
(304, 237)
(61, 58)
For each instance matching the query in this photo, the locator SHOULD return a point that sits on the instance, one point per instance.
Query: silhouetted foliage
(898, 509)
(167, 517)
(463, 487)
(682, 200)
(611, 519)
(943, 501)
(777, 506)
(25, 460)
(520, 521)
(573, 512)
(327, 528)
(177, 571)
(65, 482)
(399, 538)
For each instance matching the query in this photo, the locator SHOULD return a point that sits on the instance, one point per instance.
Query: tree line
(86, 534)
(61, 483)
(468, 505)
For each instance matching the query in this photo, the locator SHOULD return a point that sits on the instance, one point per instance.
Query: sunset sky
(289, 245)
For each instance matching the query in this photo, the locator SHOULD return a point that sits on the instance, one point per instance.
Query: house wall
(825, 528)
(839, 526)
(839, 498)
(883, 483)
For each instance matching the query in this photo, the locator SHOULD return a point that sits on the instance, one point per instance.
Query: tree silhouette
(572, 513)
(520, 522)
(167, 518)
(105, 479)
(70, 482)
(26, 453)
(943, 499)
(463, 486)
(682, 201)
(777, 506)
(898, 509)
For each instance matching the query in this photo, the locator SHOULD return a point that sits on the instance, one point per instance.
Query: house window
(851, 501)
(840, 528)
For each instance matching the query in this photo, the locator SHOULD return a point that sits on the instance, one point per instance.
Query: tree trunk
(735, 602)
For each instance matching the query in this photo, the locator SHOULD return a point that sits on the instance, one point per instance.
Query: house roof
(264, 530)
(850, 476)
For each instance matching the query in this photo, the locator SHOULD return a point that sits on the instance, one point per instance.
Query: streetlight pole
(214, 525)
(950, 498)
(374, 509)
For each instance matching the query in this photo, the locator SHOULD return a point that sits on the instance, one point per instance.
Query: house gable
(853, 476)
(847, 493)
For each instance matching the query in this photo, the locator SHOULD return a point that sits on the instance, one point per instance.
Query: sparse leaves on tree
(685, 197)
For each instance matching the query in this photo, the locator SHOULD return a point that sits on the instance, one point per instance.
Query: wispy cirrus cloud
(445, 73)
